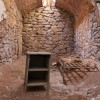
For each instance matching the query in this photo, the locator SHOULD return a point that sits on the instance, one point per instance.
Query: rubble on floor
(12, 85)
(74, 70)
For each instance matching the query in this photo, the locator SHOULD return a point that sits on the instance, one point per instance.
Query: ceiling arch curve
(79, 8)
(25, 6)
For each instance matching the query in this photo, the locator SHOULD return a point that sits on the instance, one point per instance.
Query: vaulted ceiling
(75, 6)
(71, 5)
(26, 6)
(79, 8)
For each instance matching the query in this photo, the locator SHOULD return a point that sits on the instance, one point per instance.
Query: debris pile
(73, 69)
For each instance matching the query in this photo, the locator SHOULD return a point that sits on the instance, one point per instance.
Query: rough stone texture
(80, 8)
(10, 33)
(88, 36)
(26, 6)
(49, 29)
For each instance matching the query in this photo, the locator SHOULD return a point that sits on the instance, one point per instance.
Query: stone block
(28, 25)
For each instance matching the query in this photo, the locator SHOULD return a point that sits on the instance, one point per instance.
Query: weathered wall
(10, 33)
(88, 36)
(26, 6)
(49, 29)
(80, 8)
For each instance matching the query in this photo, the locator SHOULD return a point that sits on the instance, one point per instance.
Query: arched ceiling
(75, 5)
(26, 6)
(79, 8)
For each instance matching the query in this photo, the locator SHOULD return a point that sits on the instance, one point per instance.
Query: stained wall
(88, 36)
(10, 33)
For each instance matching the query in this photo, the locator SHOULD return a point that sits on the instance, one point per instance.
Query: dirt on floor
(12, 85)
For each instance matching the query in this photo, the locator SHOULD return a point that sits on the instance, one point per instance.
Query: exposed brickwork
(49, 29)
(10, 33)
(88, 37)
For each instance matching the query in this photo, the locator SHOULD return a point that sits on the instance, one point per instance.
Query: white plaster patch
(44, 2)
(98, 4)
(2, 10)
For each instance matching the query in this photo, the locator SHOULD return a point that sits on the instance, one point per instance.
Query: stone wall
(10, 33)
(88, 36)
(48, 29)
